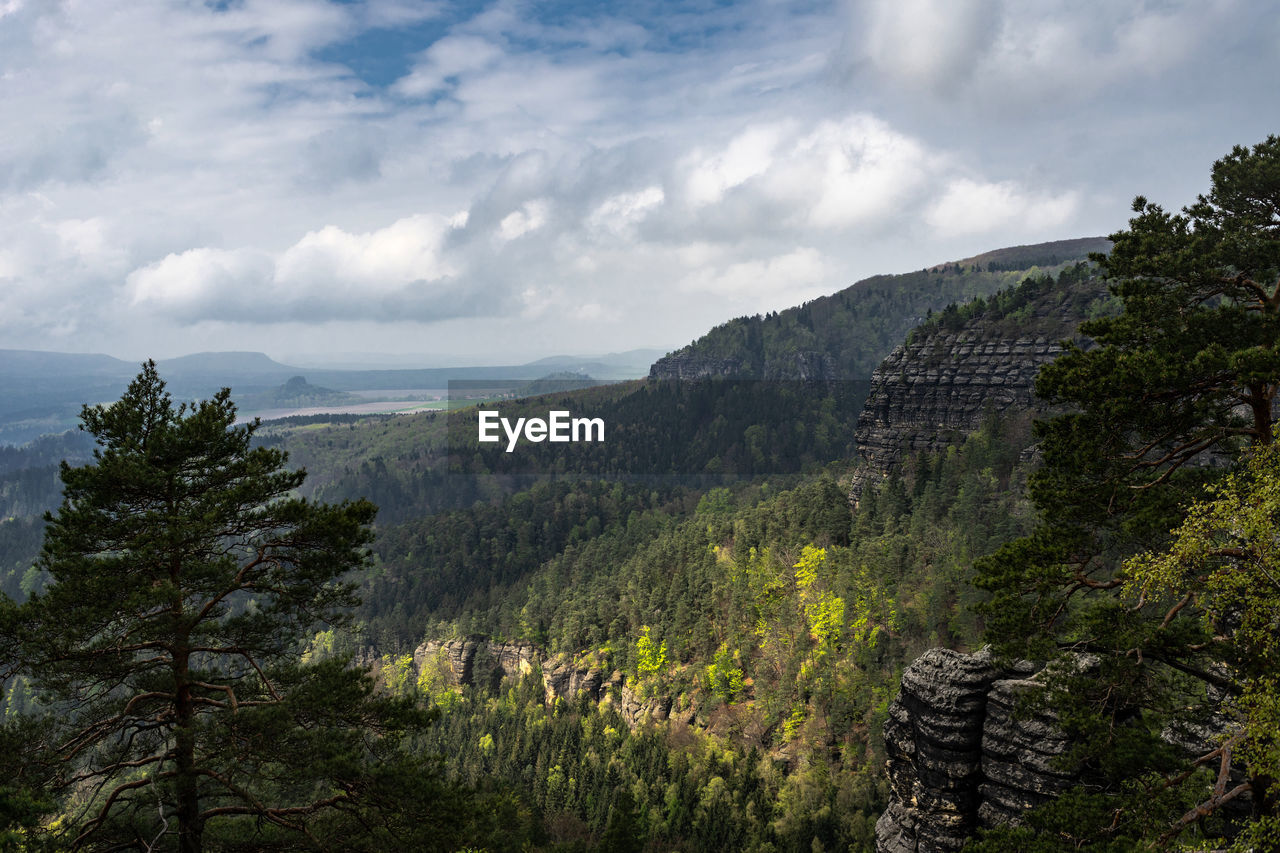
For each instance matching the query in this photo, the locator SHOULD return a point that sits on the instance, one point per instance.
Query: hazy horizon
(373, 360)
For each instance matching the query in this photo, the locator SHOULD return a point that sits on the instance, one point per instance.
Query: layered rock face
(473, 661)
(690, 365)
(1018, 752)
(928, 393)
(805, 366)
(942, 383)
(958, 756)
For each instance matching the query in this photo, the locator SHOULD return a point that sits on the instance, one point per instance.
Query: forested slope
(771, 618)
(846, 334)
(721, 574)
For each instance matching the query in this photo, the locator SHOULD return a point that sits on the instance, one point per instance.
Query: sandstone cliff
(475, 661)
(959, 757)
(954, 371)
(805, 366)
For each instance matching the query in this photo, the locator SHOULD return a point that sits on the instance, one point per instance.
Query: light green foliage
(665, 787)
(397, 674)
(811, 559)
(724, 675)
(874, 610)
(1225, 562)
(434, 683)
(826, 619)
(793, 723)
(322, 646)
(823, 611)
(651, 657)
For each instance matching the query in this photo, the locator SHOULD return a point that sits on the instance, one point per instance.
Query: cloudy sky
(500, 181)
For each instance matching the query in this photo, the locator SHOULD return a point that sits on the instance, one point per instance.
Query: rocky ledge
(803, 366)
(684, 366)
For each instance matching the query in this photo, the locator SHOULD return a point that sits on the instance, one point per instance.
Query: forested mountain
(846, 334)
(720, 579)
(688, 636)
(764, 618)
(29, 486)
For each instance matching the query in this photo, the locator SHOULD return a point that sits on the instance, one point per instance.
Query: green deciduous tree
(651, 657)
(1171, 392)
(185, 576)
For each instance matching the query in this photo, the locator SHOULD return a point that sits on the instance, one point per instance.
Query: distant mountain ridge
(606, 365)
(845, 335)
(22, 362)
(223, 364)
(41, 392)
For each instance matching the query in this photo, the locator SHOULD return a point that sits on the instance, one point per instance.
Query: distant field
(406, 401)
(386, 407)
(411, 394)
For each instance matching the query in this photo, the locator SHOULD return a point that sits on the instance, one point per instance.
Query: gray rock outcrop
(927, 393)
(475, 660)
(691, 365)
(959, 757)
(943, 382)
(803, 366)
(1019, 770)
(472, 661)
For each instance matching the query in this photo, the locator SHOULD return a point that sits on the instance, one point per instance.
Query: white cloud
(203, 282)
(930, 44)
(329, 272)
(91, 242)
(791, 276)
(375, 263)
(555, 171)
(856, 175)
(863, 171)
(974, 207)
(746, 156)
(1000, 56)
(531, 216)
(9, 267)
(441, 64)
(619, 213)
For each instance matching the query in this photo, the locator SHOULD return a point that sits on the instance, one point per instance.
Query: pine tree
(184, 578)
(1176, 386)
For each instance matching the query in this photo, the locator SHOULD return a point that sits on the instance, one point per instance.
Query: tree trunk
(188, 806)
(1260, 401)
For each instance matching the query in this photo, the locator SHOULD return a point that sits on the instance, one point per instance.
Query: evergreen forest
(374, 633)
